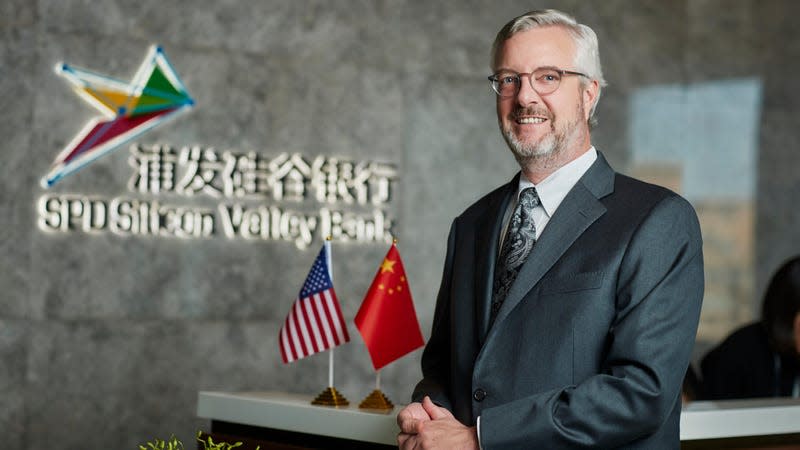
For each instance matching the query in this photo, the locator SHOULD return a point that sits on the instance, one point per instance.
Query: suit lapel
(488, 230)
(579, 209)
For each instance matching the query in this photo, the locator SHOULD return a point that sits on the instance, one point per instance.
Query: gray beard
(549, 146)
(548, 149)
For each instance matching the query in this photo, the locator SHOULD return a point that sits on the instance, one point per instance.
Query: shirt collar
(555, 187)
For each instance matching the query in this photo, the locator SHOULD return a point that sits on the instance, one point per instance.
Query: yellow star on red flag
(387, 265)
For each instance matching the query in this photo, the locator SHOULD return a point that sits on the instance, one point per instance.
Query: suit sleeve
(435, 358)
(659, 290)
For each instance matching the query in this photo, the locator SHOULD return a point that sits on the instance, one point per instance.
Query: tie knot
(529, 198)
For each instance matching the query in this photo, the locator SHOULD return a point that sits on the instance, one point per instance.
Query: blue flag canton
(318, 279)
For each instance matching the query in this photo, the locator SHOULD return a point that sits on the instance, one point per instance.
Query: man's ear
(589, 97)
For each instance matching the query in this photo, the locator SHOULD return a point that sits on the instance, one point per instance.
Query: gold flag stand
(330, 397)
(377, 400)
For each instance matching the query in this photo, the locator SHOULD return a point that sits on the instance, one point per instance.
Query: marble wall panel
(18, 83)
(725, 40)
(59, 419)
(393, 36)
(87, 276)
(17, 86)
(14, 340)
(657, 53)
(12, 418)
(307, 30)
(136, 379)
(13, 352)
(17, 13)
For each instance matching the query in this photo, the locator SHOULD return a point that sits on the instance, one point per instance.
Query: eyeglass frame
(561, 72)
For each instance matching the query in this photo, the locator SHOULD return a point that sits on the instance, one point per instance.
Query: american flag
(315, 322)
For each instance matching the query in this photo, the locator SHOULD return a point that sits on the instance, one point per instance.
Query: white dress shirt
(551, 191)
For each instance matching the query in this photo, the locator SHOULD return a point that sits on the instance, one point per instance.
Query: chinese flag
(387, 320)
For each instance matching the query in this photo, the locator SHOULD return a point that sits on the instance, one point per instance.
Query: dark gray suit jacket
(590, 347)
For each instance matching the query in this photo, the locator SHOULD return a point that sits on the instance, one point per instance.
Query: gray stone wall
(109, 338)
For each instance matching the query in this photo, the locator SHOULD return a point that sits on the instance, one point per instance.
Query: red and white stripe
(313, 325)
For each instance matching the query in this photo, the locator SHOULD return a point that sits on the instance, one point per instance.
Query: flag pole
(330, 396)
(330, 368)
(330, 271)
(378, 380)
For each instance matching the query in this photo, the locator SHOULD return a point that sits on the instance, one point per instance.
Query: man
(570, 297)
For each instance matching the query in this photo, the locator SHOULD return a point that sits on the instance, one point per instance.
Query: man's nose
(527, 95)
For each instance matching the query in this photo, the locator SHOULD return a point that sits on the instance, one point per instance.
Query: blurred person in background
(761, 359)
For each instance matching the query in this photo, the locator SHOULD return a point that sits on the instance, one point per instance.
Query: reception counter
(278, 420)
(290, 421)
(756, 423)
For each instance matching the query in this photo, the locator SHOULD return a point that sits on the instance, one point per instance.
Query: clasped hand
(428, 427)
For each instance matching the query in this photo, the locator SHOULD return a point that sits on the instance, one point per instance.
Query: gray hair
(587, 53)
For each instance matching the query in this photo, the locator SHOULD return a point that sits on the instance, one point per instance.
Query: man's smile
(531, 120)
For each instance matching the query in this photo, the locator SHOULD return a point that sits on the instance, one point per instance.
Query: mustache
(530, 111)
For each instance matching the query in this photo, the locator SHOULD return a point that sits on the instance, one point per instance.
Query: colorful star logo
(129, 109)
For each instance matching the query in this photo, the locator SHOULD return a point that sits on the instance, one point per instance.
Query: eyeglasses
(544, 80)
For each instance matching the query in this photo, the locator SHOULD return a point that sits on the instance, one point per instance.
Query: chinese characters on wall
(197, 192)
